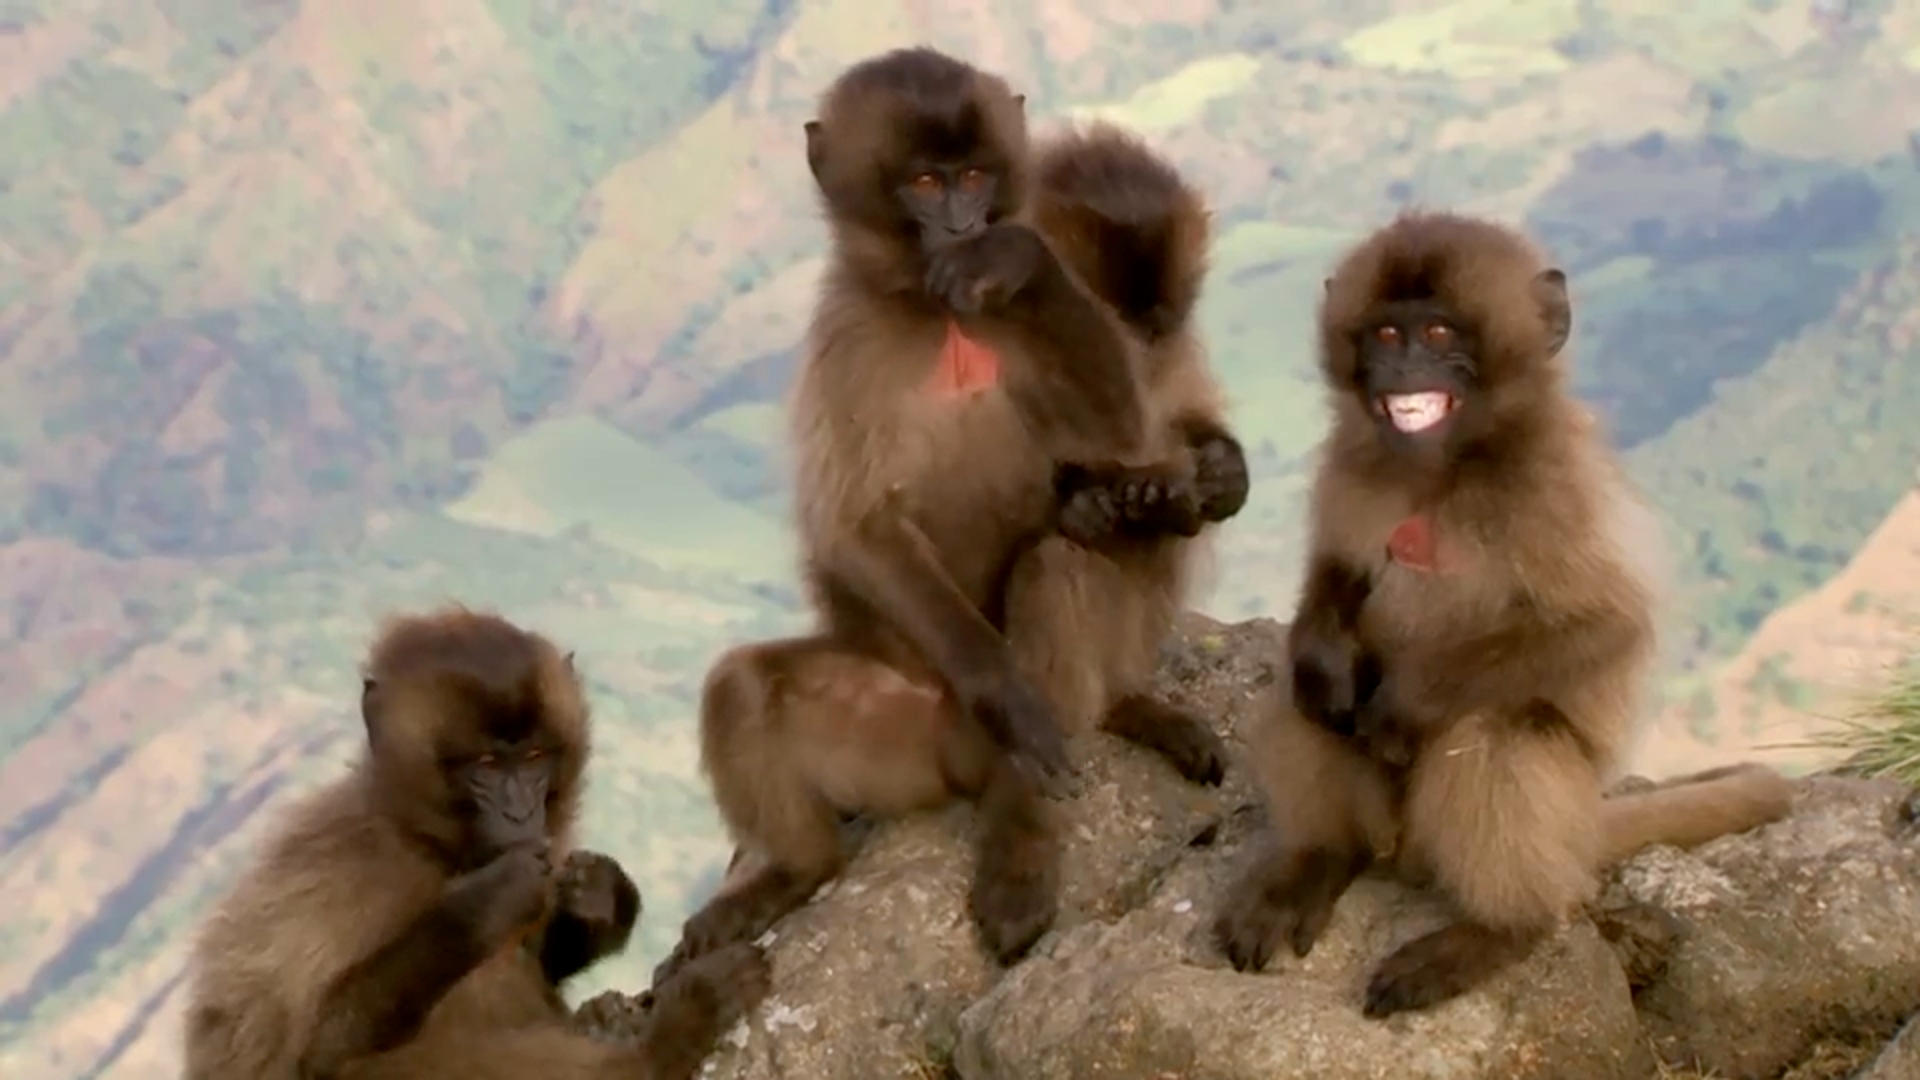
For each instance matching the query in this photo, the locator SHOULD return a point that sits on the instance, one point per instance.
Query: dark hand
(1220, 476)
(1387, 726)
(1326, 676)
(1099, 502)
(691, 1010)
(1020, 720)
(594, 912)
(986, 272)
(505, 896)
(595, 891)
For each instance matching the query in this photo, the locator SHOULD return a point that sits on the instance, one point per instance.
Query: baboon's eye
(485, 759)
(1388, 335)
(1438, 335)
(927, 184)
(973, 178)
(535, 754)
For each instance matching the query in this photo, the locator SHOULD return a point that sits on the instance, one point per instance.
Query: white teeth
(1412, 413)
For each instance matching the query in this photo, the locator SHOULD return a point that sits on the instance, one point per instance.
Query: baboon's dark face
(914, 150)
(947, 198)
(501, 768)
(1418, 373)
(942, 179)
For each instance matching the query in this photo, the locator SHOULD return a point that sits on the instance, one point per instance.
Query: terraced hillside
(311, 309)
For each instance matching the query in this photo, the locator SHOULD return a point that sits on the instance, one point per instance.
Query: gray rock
(1147, 997)
(1749, 950)
(871, 976)
(1740, 959)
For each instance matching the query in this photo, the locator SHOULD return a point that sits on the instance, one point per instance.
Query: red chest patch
(966, 366)
(1411, 544)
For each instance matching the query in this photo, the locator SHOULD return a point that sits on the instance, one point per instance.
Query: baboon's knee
(1508, 822)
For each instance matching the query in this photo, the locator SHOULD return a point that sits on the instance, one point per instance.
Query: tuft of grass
(1880, 734)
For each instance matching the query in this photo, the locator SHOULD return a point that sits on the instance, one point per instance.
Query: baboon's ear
(369, 704)
(816, 147)
(1556, 307)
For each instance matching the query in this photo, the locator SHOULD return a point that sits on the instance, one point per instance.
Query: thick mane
(1480, 269)
(1127, 222)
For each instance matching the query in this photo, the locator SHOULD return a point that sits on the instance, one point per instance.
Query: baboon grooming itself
(954, 370)
(1475, 627)
(1087, 617)
(406, 921)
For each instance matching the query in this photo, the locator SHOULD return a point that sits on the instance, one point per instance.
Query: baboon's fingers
(1288, 895)
(693, 1009)
(1015, 895)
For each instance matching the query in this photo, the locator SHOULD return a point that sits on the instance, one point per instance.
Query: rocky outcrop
(1739, 960)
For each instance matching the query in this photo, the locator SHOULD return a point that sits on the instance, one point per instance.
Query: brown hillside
(1806, 661)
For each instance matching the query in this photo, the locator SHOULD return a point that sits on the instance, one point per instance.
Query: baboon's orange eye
(1388, 335)
(1438, 335)
(927, 184)
(534, 754)
(484, 759)
(973, 178)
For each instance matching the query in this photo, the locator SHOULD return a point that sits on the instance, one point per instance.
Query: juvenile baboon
(1087, 617)
(405, 921)
(1475, 628)
(954, 370)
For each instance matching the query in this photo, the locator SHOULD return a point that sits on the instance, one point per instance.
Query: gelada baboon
(1087, 615)
(407, 922)
(1474, 631)
(957, 378)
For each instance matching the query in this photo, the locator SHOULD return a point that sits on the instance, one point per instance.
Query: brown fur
(912, 509)
(368, 863)
(1088, 624)
(1510, 679)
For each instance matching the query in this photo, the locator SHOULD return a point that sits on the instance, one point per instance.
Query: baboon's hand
(1019, 719)
(697, 1005)
(1387, 727)
(595, 891)
(1097, 502)
(1326, 676)
(505, 896)
(987, 271)
(1282, 898)
(1220, 483)
(1088, 512)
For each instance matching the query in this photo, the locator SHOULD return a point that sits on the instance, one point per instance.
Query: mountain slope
(309, 310)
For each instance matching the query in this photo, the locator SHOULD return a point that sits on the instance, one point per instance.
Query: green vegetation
(1880, 735)
(308, 313)
(582, 473)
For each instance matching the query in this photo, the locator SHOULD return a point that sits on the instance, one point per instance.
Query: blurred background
(311, 309)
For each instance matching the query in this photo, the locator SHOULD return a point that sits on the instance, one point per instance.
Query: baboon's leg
(793, 734)
(1505, 811)
(1332, 814)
